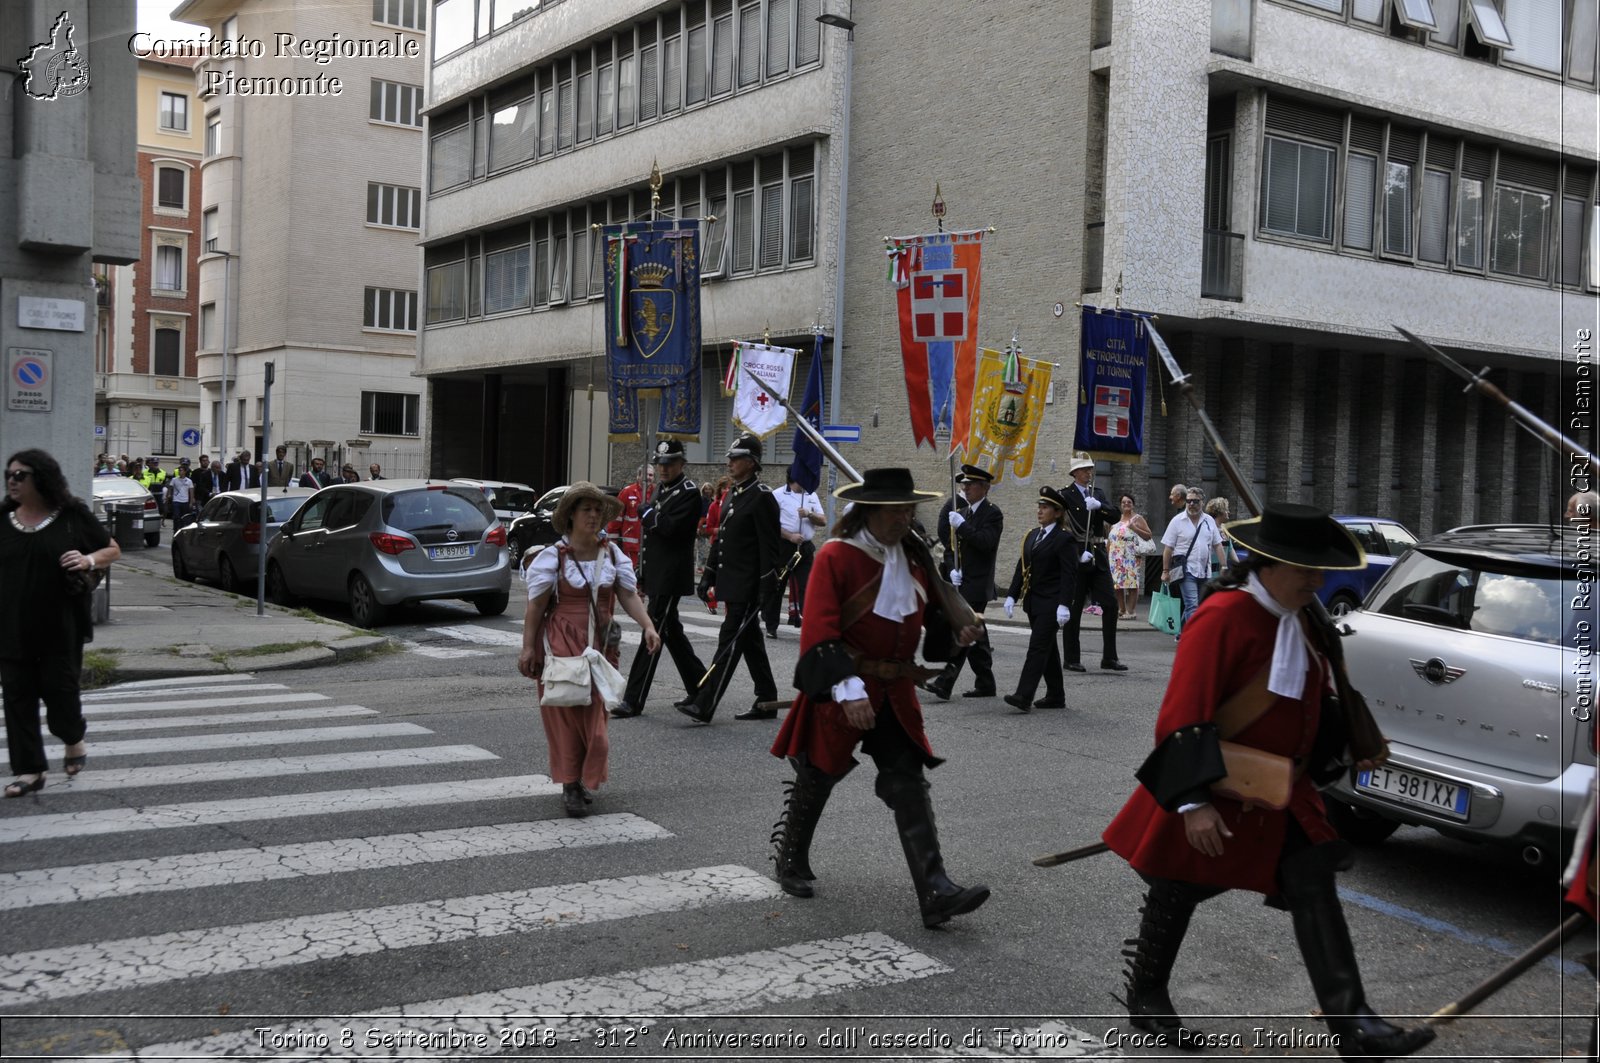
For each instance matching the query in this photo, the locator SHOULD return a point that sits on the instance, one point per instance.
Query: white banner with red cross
(753, 409)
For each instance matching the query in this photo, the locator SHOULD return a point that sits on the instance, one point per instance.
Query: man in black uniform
(743, 569)
(671, 521)
(1089, 520)
(970, 530)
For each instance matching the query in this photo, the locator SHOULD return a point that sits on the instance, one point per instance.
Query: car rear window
(282, 507)
(434, 510)
(1470, 594)
(515, 499)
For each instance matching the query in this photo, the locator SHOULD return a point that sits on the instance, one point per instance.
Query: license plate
(444, 553)
(1415, 788)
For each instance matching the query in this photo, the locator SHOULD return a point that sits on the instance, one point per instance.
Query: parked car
(1383, 540)
(111, 491)
(382, 543)
(509, 500)
(224, 542)
(1474, 653)
(534, 528)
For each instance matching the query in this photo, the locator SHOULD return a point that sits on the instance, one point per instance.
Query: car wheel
(278, 587)
(493, 604)
(514, 545)
(226, 575)
(180, 567)
(1359, 825)
(152, 539)
(364, 605)
(1343, 604)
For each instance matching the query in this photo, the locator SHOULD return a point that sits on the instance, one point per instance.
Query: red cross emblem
(939, 305)
(1111, 409)
(762, 400)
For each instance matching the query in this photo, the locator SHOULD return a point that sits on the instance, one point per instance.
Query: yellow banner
(1006, 415)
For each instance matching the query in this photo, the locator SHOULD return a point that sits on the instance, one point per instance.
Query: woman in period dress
(1122, 548)
(573, 589)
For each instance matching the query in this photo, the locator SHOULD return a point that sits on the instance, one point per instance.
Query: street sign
(28, 384)
(191, 437)
(99, 431)
(842, 433)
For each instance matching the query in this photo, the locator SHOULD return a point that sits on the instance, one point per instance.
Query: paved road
(248, 863)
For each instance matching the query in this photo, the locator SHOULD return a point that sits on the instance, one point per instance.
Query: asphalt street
(369, 859)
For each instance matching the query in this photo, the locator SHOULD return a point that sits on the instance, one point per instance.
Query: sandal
(22, 786)
(73, 765)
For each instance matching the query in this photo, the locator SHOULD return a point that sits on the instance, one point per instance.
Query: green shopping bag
(1166, 610)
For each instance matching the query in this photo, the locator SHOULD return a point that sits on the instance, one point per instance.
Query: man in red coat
(1249, 673)
(865, 606)
(628, 529)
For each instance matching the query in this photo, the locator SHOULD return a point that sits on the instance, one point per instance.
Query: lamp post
(222, 407)
(848, 25)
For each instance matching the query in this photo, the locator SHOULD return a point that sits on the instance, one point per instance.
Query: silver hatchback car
(224, 543)
(382, 543)
(1475, 652)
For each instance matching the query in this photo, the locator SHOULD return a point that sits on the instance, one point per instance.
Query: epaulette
(765, 488)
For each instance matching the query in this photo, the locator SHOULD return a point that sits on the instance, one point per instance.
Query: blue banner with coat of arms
(653, 325)
(1111, 384)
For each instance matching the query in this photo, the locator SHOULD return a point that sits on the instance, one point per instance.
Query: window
(1433, 239)
(213, 134)
(1469, 224)
(505, 280)
(722, 48)
(407, 14)
(771, 231)
(1521, 218)
(175, 112)
(394, 205)
(627, 91)
(649, 82)
(695, 83)
(558, 270)
(606, 102)
(1570, 261)
(513, 135)
(585, 107)
(1486, 21)
(778, 16)
(808, 32)
(396, 103)
(1360, 179)
(208, 326)
(164, 430)
(1535, 30)
(801, 235)
(168, 358)
(385, 413)
(447, 292)
(547, 121)
(1397, 178)
(208, 229)
(452, 26)
(749, 44)
(671, 71)
(744, 231)
(579, 243)
(172, 185)
(390, 310)
(1295, 183)
(169, 268)
(564, 114)
(450, 158)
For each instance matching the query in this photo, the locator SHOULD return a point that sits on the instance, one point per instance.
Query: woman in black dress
(50, 547)
(1043, 582)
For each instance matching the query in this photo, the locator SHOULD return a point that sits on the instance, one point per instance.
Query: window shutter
(808, 32)
(771, 226)
(744, 249)
(1303, 119)
(749, 44)
(1476, 160)
(778, 15)
(1366, 134)
(647, 83)
(1570, 263)
(1360, 175)
(695, 85)
(1404, 144)
(722, 55)
(1431, 241)
(1533, 173)
(671, 62)
(1397, 189)
(1441, 152)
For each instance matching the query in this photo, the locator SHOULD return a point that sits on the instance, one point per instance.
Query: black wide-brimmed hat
(1050, 496)
(666, 451)
(583, 491)
(973, 474)
(1299, 535)
(748, 445)
(885, 487)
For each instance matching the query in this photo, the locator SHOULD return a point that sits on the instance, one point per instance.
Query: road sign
(191, 437)
(842, 433)
(28, 384)
(99, 431)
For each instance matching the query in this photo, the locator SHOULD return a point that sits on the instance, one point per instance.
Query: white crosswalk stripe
(241, 740)
(98, 709)
(214, 685)
(272, 767)
(231, 719)
(174, 682)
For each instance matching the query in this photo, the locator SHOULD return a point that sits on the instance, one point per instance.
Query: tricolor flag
(938, 278)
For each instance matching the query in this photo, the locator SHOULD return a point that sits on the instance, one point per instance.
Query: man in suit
(671, 522)
(970, 530)
(743, 570)
(374, 471)
(243, 474)
(1043, 583)
(1089, 521)
(280, 473)
(316, 476)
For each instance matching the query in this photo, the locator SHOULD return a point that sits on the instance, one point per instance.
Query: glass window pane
(749, 45)
(452, 26)
(1397, 178)
(547, 122)
(558, 271)
(585, 107)
(1519, 232)
(1418, 14)
(695, 78)
(1535, 30)
(716, 237)
(1447, 15)
(1432, 241)
(1486, 20)
(808, 32)
(778, 16)
(649, 83)
(627, 91)
(1315, 205)
(580, 263)
(722, 55)
(1581, 53)
(671, 72)
(1360, 178)
(505, 280)
(1278, 187)
(1368, 11)
(605, 99)
(1571, 260)
(800, 234)
(771, 226)
(564, 129)
(744, 232)
(1469, 223)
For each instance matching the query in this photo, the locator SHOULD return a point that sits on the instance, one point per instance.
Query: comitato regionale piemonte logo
(55, 68)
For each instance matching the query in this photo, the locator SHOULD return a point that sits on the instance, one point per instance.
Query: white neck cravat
(897, 592)
(1290, 658)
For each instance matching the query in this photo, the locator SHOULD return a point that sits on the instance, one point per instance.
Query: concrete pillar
(1297, 441)
(1418, 452)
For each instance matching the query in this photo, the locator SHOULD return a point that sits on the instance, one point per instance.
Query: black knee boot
(1330, 959)
(1163, 921)
(791, 835)
(906, 792)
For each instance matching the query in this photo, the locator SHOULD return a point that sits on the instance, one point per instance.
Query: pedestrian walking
(1189, 544)
(180, 495)
(969, 530)
(1089, 518)
(1044, 583)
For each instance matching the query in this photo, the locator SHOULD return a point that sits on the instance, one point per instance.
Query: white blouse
(613, 566)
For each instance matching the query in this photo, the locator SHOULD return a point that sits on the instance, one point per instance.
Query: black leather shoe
(695, 712)
(980, 692)
(1074, 666)
(794, 619)
(683, 703)
(1017, 703)
(624, 710)
(772, 632)
(1050, 703)
(1112, 666)
(938, 686)
(756, 712)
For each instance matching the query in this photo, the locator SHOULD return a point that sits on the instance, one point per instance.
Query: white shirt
(1206, 539)
(613, 565)
(790, 503)
(179, 487)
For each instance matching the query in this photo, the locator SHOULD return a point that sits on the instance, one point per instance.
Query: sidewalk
(162, 627)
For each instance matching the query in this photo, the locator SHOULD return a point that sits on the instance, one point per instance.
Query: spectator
(242, 473)
(713, 524)
(1217, 510)
(280, 473)
(205, 481)
(180, 495)
(799, 516)
(1190, 542)
(374, 471)
(317, 476)
(1123, 544)
(702, 544)
(349, 475)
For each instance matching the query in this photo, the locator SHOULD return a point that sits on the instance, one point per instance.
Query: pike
(728, 649)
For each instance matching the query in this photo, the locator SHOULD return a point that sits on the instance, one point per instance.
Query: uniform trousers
(663, 610)
(731, 645)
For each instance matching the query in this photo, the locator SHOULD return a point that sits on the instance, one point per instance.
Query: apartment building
(147, 392)
(312, 155)
(1277, 180)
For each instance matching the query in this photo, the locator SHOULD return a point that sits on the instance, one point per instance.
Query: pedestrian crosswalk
(454, 641)
(266, 847)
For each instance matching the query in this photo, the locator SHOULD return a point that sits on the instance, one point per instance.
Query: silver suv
(1475, 653)
(381, 543)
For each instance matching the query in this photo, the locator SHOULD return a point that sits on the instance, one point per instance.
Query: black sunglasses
(16, 476)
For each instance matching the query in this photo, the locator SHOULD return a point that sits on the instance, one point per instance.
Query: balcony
(1222, 265)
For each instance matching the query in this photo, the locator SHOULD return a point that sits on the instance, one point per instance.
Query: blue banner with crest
(653, 325)
(1111, 384)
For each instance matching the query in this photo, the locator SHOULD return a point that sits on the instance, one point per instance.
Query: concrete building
(1220, 158)
(69, 199)
(147, 393)
(310, 208)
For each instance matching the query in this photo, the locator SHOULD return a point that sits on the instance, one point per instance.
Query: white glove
(956, 520)
(1063, 614)
(1092, 502)
(955, 577)
(1087, 557)
(1011, 607)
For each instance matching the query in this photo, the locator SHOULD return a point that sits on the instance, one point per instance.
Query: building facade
(1279, 181)
(312, 151)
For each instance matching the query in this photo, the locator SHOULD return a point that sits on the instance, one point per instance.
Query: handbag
(573, 681)
(1143, 547)
(1166, 611)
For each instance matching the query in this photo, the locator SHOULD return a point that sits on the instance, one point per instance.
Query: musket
(1525, 417)
(1510, 972)
(955, 608)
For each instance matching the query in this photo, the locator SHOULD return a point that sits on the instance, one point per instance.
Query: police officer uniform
(1089, 520)
(671, 522)
(1043, 583)
(970, 534)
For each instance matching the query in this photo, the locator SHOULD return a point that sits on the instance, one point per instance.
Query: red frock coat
(1578, 893)
(1226, 644)
(818, 728)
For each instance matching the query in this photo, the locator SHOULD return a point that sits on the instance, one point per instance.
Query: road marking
(270, 767)
(106, 708)
(141, 608)
(232, 739)
(321, 712)
(175, 681)
(113, 693)
(479, 635)
(723, 984)
(443, 653)
(140, 962)
(1439, 926)
(55, 826)
(126, 878)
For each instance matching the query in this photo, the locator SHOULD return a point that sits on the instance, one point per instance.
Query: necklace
(29, 529)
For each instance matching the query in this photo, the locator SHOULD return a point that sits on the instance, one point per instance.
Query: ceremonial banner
(1007, 410)
(938, 280)
(653, 324)
(807, 467)
(1111, 384)
(754, 410)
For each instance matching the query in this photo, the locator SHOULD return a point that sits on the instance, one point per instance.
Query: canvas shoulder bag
(1255, 776)
(566, 681)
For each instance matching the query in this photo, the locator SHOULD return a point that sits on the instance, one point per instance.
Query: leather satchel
(1255, 776)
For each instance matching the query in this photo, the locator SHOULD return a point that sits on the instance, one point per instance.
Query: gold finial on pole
(766, 334)
(938, 206)
(655, 189)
